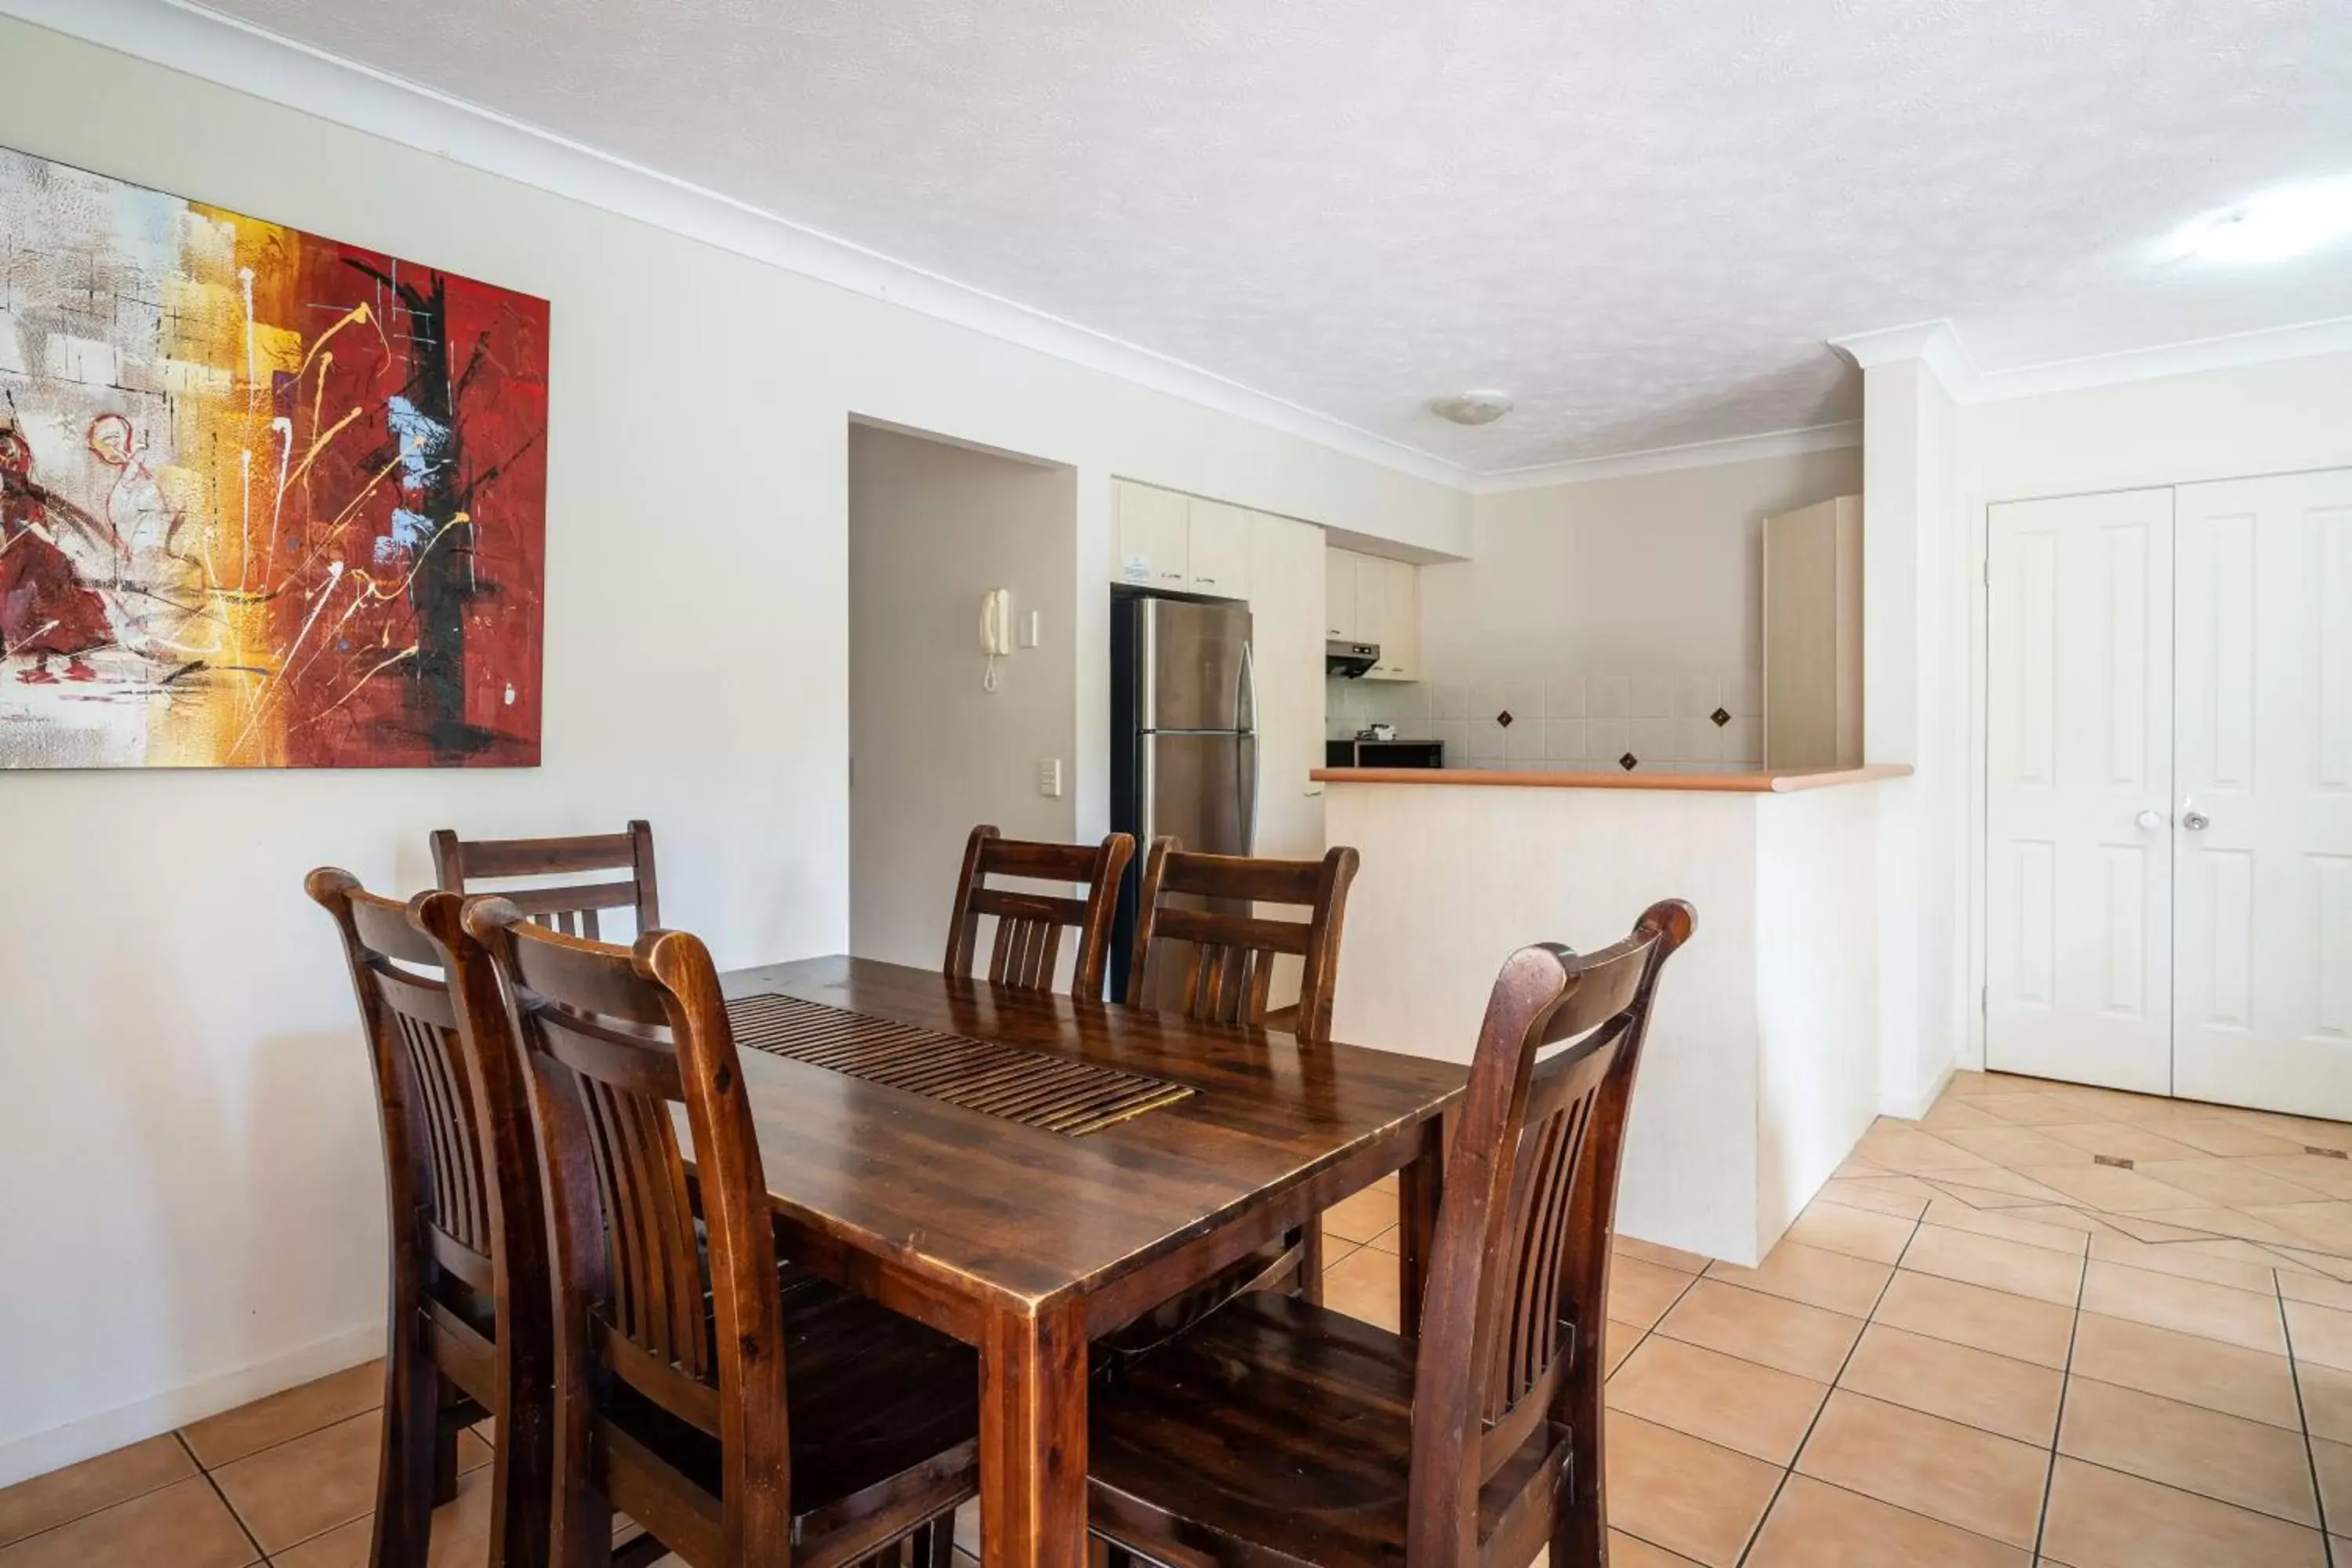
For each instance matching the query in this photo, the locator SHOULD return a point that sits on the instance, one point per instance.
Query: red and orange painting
(266, 499)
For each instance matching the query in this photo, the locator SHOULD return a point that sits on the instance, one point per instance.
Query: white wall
(933, 752)
(186, 1136)
(1606, 615)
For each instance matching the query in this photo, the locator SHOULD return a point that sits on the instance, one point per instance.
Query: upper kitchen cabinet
(1372, 599)
(1176, 542)
(1812, 636)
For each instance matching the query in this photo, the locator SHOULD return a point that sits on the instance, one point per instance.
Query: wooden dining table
(1025, 1171)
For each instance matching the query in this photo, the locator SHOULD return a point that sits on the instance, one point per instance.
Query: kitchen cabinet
(1372, 599)
(1181, 543)
(1287, 624)
(1812, 636)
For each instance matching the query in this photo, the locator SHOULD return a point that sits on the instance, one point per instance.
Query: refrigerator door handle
(1245, 695)
(1246, 778)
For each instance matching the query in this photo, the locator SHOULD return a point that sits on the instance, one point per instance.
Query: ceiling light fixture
(1472, 408)
(2276, 226)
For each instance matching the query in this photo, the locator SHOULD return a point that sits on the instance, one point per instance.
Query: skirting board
(1914, 1107)
(41, 1452)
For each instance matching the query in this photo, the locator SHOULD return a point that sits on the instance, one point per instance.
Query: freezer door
(1202, 789)
(1195, 661)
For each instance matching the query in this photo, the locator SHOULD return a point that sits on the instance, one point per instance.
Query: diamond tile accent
(1504, 718)
(1629, 762)
(1720, 718)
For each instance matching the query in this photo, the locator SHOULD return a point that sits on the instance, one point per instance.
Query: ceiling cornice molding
(1938, 346)
(1935, 344)
(185, 37)
(1664, 459)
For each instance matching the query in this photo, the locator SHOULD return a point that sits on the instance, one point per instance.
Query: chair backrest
(1029, 925)
(461, 865)
(1510, 1350)
(614, 1037)
(1216, 964)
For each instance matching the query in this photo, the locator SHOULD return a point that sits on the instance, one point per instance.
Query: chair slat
(463, 864)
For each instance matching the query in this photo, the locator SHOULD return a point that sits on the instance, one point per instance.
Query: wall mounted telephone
(995, 631)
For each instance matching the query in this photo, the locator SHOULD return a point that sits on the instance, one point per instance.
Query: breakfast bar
(1761, 1069)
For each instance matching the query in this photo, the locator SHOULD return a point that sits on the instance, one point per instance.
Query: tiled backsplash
(1568, 723)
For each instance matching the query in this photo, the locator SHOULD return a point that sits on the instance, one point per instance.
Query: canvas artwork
(266, 499)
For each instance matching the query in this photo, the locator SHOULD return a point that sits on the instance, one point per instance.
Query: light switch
(1049, 777)
(1031, 629)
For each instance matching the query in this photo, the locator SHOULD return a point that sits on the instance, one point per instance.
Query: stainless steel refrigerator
(1184, 741)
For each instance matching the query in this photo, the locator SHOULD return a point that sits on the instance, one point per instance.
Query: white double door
(2169, 792)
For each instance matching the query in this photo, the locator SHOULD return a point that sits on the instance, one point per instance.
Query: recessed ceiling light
(1472, 408)
(2276, 226)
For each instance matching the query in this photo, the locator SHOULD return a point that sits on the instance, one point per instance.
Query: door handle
(2195, 821)
(2150, 818)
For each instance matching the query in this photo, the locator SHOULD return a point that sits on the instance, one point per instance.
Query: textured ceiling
(1640, 219)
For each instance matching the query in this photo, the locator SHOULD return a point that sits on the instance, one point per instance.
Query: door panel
(2079, 745)
(1198, 789)
(2265, 918)
(1195, 654)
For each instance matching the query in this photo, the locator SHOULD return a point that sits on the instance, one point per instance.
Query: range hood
(1350, 659)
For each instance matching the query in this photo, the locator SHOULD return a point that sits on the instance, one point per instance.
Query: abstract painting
(266, 499)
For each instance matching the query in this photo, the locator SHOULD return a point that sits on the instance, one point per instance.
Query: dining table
(1025, 1171)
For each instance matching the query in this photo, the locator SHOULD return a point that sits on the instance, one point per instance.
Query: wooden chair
(1277, 1432)
(1029, 925)
(459, 865)
(468, 1330)
(673, 1339)
(1217, 965)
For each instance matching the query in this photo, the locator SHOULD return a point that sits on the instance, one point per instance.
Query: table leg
(1032, 1438)
(1421, 1186)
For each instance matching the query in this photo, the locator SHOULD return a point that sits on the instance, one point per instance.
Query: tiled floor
(2041, 1325)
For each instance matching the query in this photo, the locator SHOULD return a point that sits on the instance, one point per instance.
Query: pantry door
(2265, 793)
(2078, 842)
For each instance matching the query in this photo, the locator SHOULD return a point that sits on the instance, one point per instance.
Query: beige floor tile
(300, 1489)
(1617, 1343)
(2321, 1334)
(2326, 1225)
(1673, 1258)
(461, 1536)
(2139, 1228)
(1853, 1166)
(2325, 1292)
(1905, 1150)
(1966, 1477)
(249, 1429)
(1385, 1242)
(1736, 1403)
(2302, 1129)
(2009, 1225)
(1688, 1496)
(1857, 1233)
(1969, 1084)
(2204, 1451)
(1996, 1264)
(2227, 1183)
(2118, 1140)
(1640, 1293)
(2323, 1263)
(182, 1525)
(2191, 1306)
(2208, 1220)
(2327, 1403)
(2333, 1462)
(2189, 1262)
(1807, 1274)
(1816, 1525)
(1360, 1215)
(2043, 1108)
(2061, 1216)
(1905, 1198)
(2112, 1187)
(62, 1496)
(1998, 1393)
(1769, 1330)
(2005, 1143)
(2325, 1176)
(2254, 1384)
(1994, 1320)
(2103, 1518)
(2220, 1135)
(1632, 1552)
(1364, 1286)
(1952, 1113)
(1994, 1186)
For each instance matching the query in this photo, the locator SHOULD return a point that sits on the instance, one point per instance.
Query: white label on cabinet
(1137, 569)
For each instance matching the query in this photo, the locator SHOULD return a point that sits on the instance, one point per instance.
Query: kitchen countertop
(1781, 782)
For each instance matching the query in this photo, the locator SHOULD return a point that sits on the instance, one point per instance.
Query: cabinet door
(1154, 537)
(1218, 559)
(1339, 619)
(1287, 625)
(1371, 604)
(1401, 618)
